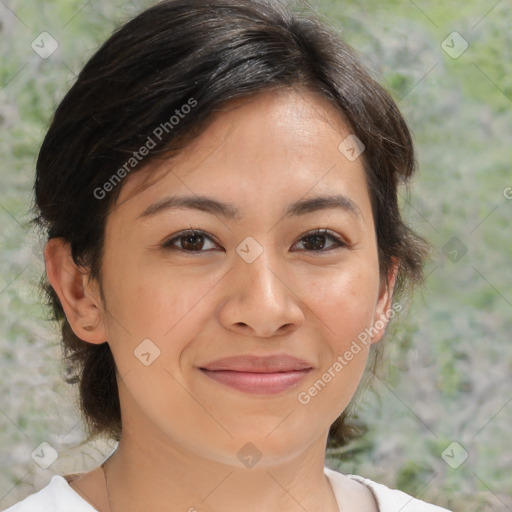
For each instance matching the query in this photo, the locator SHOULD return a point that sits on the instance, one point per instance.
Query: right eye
(192, 241)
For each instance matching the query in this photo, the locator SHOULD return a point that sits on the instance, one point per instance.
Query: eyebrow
(229, 211)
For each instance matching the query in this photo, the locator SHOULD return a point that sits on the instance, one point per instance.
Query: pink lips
(258, 374)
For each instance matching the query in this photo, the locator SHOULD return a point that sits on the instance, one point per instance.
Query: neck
(153, 477)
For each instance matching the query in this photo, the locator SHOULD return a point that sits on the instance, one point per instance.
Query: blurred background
(438, 415)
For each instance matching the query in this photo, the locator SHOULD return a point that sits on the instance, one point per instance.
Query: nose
(259, 301)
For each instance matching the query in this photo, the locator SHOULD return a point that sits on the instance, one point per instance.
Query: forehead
(282, 143)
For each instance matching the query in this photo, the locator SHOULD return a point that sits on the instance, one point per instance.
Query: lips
(258, 374)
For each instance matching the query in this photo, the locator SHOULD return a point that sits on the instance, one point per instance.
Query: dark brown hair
(210, 51)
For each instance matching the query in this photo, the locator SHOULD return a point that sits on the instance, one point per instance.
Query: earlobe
(385, 310)
(80, 300)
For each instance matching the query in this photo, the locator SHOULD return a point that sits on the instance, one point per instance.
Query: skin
(182, 430)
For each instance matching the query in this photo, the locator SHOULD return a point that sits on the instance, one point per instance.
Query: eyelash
(168, 245)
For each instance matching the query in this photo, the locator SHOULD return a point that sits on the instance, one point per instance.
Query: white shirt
(58, 496)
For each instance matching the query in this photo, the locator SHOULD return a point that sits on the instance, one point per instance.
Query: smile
(268, 374)
(257, 382)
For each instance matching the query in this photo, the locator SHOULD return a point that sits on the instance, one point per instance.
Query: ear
(384, 310)
(78, 294)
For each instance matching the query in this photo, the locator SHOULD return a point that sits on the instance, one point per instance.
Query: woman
(219, 189)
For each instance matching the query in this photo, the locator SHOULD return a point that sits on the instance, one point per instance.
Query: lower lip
(257, 383)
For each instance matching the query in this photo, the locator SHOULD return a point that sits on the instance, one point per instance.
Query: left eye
(316, 241)
(197, 241)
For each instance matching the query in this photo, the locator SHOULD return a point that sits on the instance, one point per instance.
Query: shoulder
(57, 496)
(388, 500)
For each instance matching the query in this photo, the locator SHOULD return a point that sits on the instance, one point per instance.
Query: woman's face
(284, 262)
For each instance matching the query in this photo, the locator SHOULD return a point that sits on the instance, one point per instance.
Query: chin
(278, 447)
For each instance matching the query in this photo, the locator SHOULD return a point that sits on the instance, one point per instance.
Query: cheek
(156, 303)
(345, 303)
(343, 308)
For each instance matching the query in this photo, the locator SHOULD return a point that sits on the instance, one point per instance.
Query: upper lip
(258, 364)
